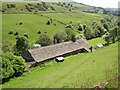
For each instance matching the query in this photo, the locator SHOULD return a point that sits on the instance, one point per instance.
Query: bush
(106, 26)
(11, 32)
(60, 36)
(44, 40)
(69, 26)
(39, 32)
(70, 34)
(84, 26)
(12, 65)
(22, 44)
(7, 68)
(26, 35)
(107, 39)
(80, 27)
(18, 65)
(16, 34)
(48, 23)
(88, 33)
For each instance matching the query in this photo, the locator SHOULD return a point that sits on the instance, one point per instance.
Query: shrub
(80, 27)
(106, 26)
(7, 68)
(70, 34)
(88, 33)
(26, 35)
(22, 44)
(48, 23)
(107, 39)
(84, 26)
(39, 32)
(19, 65)
(69, 26)
(11, 32)
(12, 65)
(60, 36)
(16, 34)
(44, 40)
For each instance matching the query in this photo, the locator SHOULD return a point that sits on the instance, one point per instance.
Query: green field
(32, 23)
(81, 70)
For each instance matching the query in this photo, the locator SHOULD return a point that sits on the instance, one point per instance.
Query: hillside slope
(34, 22)
(77, 71)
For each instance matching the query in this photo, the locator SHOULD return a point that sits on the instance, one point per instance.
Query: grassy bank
(81, 70)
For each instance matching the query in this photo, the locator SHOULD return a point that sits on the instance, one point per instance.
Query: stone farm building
(48, 52)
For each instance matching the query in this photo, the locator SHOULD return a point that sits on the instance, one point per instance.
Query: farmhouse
(48, 52)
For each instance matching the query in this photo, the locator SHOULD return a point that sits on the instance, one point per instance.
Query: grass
(32, 23)
(77, 71)
(96, 41)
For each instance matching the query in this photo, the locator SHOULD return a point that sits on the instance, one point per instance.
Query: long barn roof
(51, 51)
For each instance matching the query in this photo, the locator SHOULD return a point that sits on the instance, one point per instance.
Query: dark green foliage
(107, 39)
(70, 34)
(111, 36)
(106, 26)
(26, 35)
(48, 23)
(16, 34)
(84, 26)
(69, 26)
(80, 27)
(60, 36)
(22, 44)
(12, 65)
(88, 33)
(39, 32)
(7, 68)
(73, 38)
(44, 40)
(19, 65)
(11, 32)
(44, 5)
(93, 23)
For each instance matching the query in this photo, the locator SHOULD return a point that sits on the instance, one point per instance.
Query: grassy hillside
(81, 70)
(32, 23)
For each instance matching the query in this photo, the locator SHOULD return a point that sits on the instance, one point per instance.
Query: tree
(60, 36)
(19, 65)
(48, 22)
(106, 26)
(88, 33)
(11, 32)
(69, 26)
(16, 34)
(26, 35)
(113, 34)
(22, 44)
(39, 32)
(80, 27)
(84, 26)
(107, 39)
(12, 65)
(7, 68)
(44, 40)
(70, 33)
